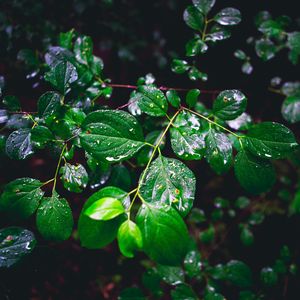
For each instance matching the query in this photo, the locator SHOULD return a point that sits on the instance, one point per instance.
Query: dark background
(152, 32)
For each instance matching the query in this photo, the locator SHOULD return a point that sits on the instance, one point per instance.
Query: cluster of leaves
(207, 31)
(69, 119)
(290, 108)
(197, 279)
(274, 37)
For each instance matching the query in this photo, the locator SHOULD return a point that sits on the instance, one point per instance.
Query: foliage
(140, 163)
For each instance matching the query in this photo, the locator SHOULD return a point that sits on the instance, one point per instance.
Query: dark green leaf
(183, 291)
(246, 236)
(242, 122)
(270, 140)
(62, 75)
(15, 243)
(171, 275)
(195, 46)
(228, 16)
(40, 136)
(238, 273)
(179, 66)
(49, 103)
(12, 103)
(169, 181)
(268, 276)
(271, 28)
(218, 33)
(104, 209)
(204, 5)
(229, 104)
(97, 65)
(131, 294)
(54, 218)
(218, 151)
(195, 74)
(187, 136)
(65, 39)
(256, 175)
(83, 49)
(152, 101)
(291, 109)
(21, 197)
(193, 264)
(192, 97)
(18, 144)
(120, 177)
(111, 135)
(193, 18)
(95, 234)
(75, 178)
(162, 228)
(173, 98)
(265, 49)
(129, 238)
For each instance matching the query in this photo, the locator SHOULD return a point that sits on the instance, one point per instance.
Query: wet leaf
(183, 291)
(83, 49)
(173, 98)
(162, 228)
(169, 181)
(54, 218)
(48, 104)
(111, 135)
(15, 243)
(21, 197)
(291, 109)
(228, 16)
(193, 18)
(204, 5)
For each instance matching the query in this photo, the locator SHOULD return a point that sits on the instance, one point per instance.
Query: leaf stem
(57, 167)
(213, 122)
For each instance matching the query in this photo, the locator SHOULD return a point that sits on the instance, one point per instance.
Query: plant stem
(156, 148)
(57, 167)
(212, 122)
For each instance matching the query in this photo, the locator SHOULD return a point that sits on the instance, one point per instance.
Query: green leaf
(238, 273)
(21, 197)
(120, 177)
(169, 181)
(18, 144)
(95, 234)
(65, 39)
(15, 243)
(183, 291)
(204, 5)
(83, 49)
(74, 178)
(111, 135)
(246, 236)
(12, 103)
(179, 66)
(30, 58)
(162, 228)
(171, 275)
(228, 16)
(271, 28)
(242, 122)
(218, 151)
(61, 76)
(193, 264)
(268, 276)
(270, 140)
(131, 294)
(49, 103)
(105, 209)
(187, 136)
(218, 33)
(291, 109)
(194, 74)
(40, 136)
(193, 18)
(195, 46)
(255, 175)
(173, 98)
(151, 281)
(265, 49)
(192, 97)
(129, 238)
(145, 153)
(152, 101)
(229, 104)
(240, 54)
(97, 66)
(54, 218)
